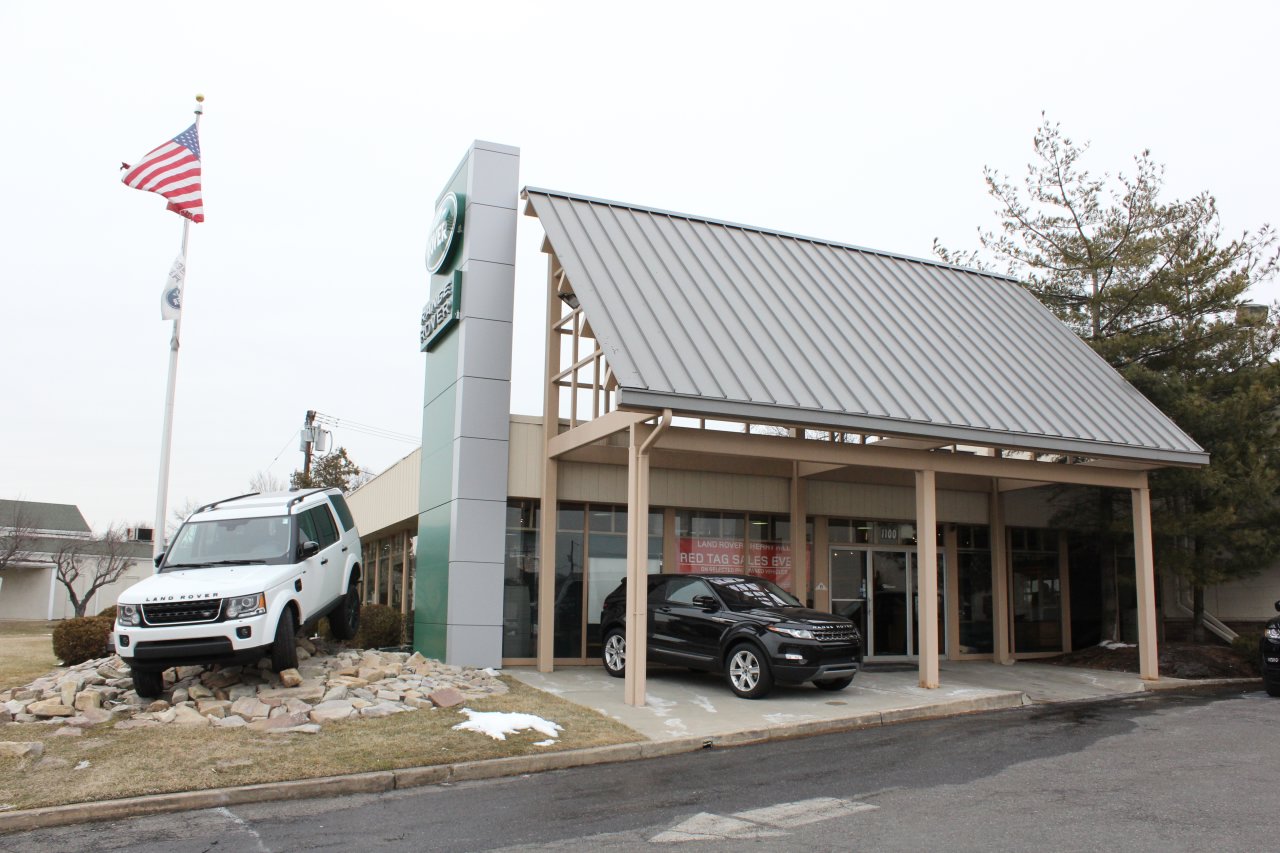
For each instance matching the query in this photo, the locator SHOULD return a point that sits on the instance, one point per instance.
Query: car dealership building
(883, 436)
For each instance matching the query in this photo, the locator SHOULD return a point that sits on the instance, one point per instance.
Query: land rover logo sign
(446, 226)
(441, 313)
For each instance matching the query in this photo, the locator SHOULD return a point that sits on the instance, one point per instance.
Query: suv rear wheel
(748, 672)
(614, 653)
(344, 620)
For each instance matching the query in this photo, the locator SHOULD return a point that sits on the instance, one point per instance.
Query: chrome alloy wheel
(615, 653)
(744, 670)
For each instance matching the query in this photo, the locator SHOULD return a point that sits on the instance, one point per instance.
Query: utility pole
(308, 440)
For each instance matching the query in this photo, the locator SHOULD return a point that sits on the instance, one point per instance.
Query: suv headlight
(246, 605)
(1272, 633)
(798, 633)
(129, 615)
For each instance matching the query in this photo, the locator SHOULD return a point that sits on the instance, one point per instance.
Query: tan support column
(1000, 576)
(927, 562)
(404, 573)
(638, 560)
(1144, 568)
(550, 484)
(799, 544)
(822, 566)
(637, 584)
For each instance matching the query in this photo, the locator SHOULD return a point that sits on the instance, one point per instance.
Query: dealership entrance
(879, 589)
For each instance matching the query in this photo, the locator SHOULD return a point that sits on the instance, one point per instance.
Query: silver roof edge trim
(753, 412)
(524, 193)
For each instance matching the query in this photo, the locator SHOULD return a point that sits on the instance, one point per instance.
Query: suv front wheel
(748, 672)
(614, 653)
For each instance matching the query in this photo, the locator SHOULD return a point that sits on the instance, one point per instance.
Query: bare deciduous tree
(265, 481)
(85, 566)
(17, 536)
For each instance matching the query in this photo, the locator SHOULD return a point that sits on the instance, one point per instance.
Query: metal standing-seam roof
(723, 320)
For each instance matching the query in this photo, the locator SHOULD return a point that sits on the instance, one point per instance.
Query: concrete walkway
(682, 704)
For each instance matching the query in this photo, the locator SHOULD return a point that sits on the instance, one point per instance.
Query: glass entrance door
(890, 594)
(849, 587)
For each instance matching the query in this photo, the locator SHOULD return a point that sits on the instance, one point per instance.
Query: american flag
(173, 170)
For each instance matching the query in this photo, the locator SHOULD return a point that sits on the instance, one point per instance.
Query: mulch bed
(1177, 660)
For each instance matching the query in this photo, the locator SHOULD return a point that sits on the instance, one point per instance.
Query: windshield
(230, 541)
(749, 593)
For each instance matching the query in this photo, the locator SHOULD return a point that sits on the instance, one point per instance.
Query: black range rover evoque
(751, 630)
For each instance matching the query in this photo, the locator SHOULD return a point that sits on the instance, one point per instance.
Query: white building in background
(29, 587)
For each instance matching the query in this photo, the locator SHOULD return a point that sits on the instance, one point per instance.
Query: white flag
(171, 298)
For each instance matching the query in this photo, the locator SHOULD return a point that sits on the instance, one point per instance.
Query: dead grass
(26, 652)
(169, 758)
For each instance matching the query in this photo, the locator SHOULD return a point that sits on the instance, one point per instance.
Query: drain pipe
(1213, 623)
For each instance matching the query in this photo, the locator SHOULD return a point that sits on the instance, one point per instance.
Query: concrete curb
(1201, 683)
(413, 777)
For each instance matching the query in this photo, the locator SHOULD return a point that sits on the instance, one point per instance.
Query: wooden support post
(927, 565)
(1144, 569)
(1000, 577)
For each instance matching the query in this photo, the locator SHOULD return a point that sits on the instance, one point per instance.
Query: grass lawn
(165, 759)
(26, 652)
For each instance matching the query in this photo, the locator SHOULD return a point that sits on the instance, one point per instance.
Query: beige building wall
(34, 593)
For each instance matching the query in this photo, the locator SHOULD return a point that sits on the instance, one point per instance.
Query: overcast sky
(330, 128)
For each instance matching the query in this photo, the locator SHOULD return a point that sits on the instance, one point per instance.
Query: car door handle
(344, 548)
(324, 561)
(664, 609)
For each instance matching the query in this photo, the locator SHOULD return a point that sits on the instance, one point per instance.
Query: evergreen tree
(334, 470)
(1156, 290)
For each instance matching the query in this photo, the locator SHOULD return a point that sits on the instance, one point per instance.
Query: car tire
(1272, 685)
(344, 620)
(834, 684)
(148, 683)
(284, 648)
(614, 653)
(748, 672)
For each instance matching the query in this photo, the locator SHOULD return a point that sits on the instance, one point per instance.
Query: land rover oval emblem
(444, 228)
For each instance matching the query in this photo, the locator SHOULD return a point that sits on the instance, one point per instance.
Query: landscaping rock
(290, 678)
(22, 749)
(446, 697)
(86, 699)
(338, 709)
(185, 715)
(51, 708)
(250, 708)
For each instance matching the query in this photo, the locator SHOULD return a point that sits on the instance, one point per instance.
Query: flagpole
(166, 439)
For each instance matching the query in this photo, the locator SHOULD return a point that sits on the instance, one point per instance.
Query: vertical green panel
(431, 590)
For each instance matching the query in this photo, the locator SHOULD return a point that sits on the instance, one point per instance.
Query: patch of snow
(490, 671)
(499, 724)
(82, 765)
(1112, 645)
(545, 743)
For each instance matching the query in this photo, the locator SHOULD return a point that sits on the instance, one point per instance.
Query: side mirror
(159, 558)
(310, 549)
(706, 602)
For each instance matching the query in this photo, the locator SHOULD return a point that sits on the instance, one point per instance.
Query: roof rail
(301, 496)
(224, 500)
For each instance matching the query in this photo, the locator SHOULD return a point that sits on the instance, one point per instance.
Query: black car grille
(182, 612)
(834, 633)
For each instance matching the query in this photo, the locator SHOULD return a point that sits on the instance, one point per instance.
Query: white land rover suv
(239, 579)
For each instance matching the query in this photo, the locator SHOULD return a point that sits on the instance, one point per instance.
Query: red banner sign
(768, 560)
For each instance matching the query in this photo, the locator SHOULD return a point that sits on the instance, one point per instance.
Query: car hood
(799, 614)
(213, 582)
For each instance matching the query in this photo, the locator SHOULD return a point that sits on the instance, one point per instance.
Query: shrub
(380, 626)
(82, 638)
(1246, 645)
(109, 611)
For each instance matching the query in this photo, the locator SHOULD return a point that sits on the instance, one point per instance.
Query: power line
(367, 429)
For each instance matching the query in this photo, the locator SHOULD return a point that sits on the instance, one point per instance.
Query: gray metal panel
(723, 319)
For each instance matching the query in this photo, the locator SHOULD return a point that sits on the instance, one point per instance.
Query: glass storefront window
(1036, 591)
(520, 581)
(737, 543)
(607, 561)
(570, 579)
(976, 604)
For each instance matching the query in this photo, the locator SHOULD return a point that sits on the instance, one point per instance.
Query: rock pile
(329, 684)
